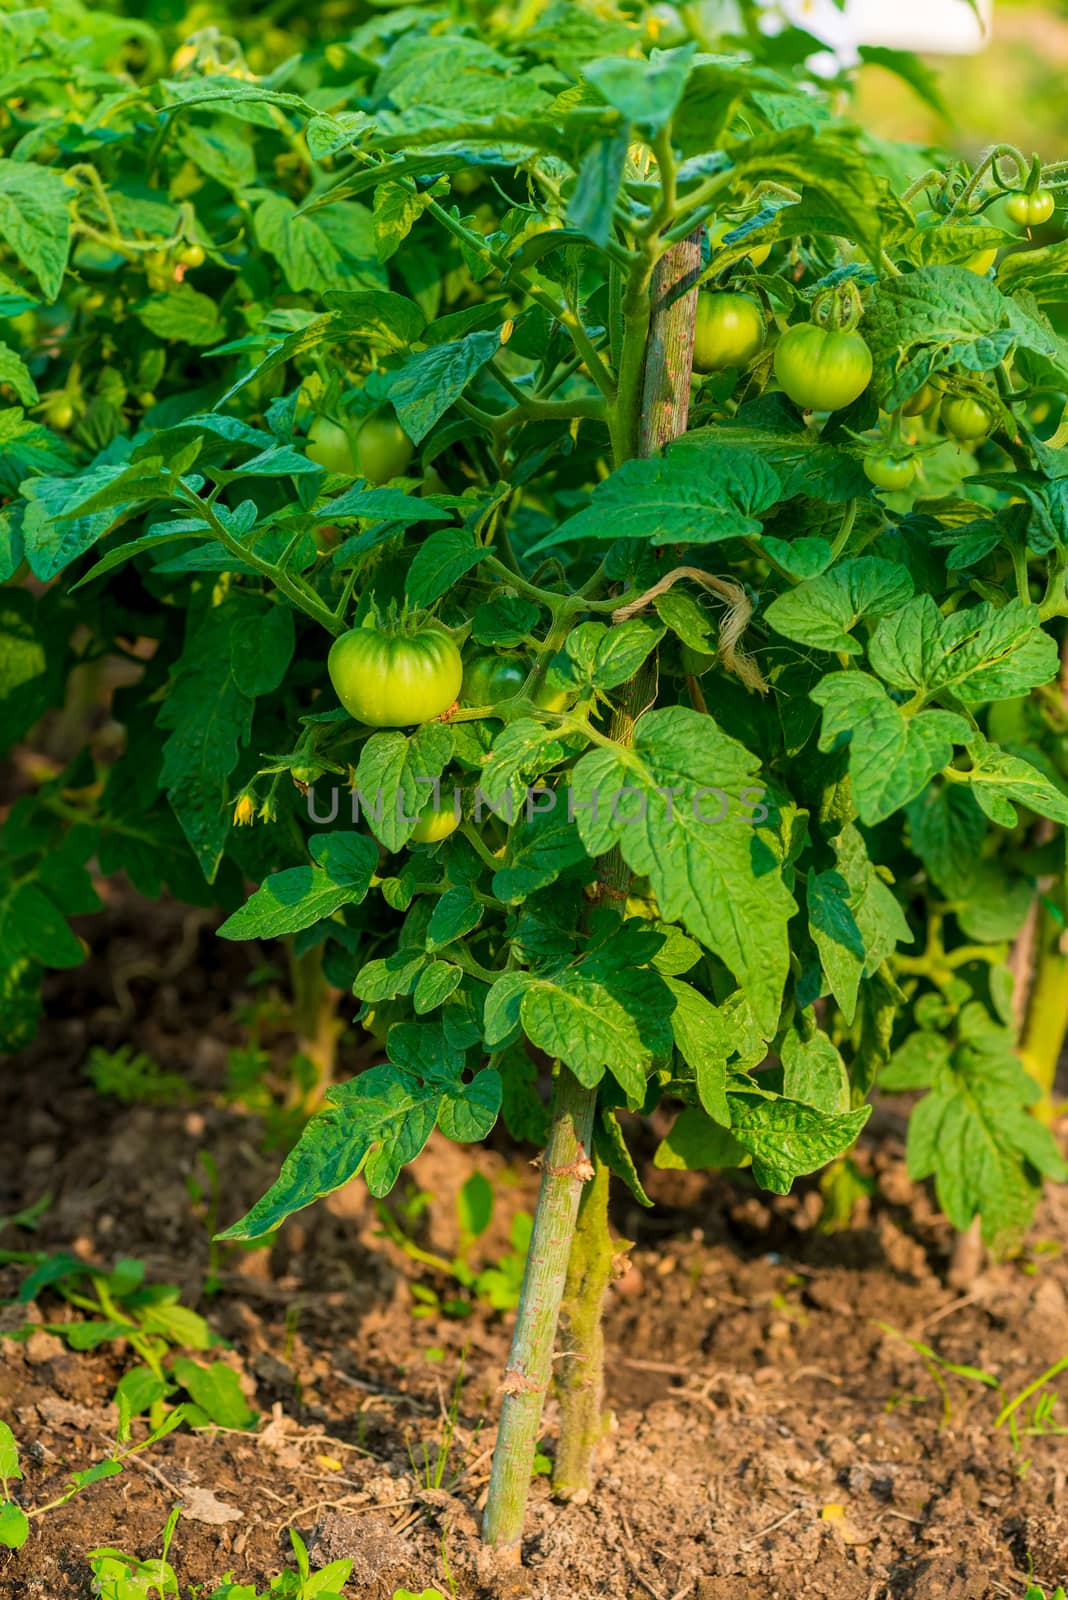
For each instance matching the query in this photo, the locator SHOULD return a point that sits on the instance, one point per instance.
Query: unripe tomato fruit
(307, 773)
(383, 449)
(920, 402)
(59, 413)
(435, 823)
(549, 699)
(1030, 210)
(392, 680)
(822, 369)
(192, 256)
(329, 446)
(889, 472)
(966, 418)
(729, 331)
(489, 678)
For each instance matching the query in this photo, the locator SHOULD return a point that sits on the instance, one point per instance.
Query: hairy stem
(565, 1168)
(1046, 1024)
(316, 1022)
(665, 409)
(580, 1372)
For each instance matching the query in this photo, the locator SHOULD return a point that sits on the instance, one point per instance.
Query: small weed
(205, 1192)
(1028, 1414)
(253, 1083)
(28, 1218)
(497, 1285)
(16, 1520)
(118, 1576)
(436, 1458)
(134, 1079)
(120, 1305)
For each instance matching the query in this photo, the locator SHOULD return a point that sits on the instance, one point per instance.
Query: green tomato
(889, 472)
(59, 413)
(392, 680)
(549, 699)
(729, 331)
(435, 823)
(192, 256)
(920, 402)
(489, 678)
(329, 446)
(383, 449)
(306, 773)
(822, 369)
(1030, 210)
(966, 418)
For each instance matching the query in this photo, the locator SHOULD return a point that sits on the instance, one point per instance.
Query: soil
(774, 1434)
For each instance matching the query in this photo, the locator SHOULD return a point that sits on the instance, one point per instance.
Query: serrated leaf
(891, 756)
(823, 611)
(441, 560)
(429, 382)
(664, 501)
(680, 805)
(1000, 781)
(396, 777)
(979, 653)
(298, 897)
(35, 220)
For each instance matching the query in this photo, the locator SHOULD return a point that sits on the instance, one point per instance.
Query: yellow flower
(244, 811)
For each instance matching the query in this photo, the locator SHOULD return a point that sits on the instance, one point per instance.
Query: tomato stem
(565, 1169)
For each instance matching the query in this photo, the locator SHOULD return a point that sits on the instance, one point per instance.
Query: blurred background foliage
(1017, 88)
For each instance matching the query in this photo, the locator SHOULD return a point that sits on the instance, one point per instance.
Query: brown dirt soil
(771, 1438)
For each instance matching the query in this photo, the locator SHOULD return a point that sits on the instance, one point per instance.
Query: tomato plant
(489, 677)
(435, 822)
(739, 895)
(383, 449)
(330, 446)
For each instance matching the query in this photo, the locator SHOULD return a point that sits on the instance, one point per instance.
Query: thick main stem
(565, 1168)
(580, 1369)
(316, 1022)
(650, 406)
(1046, 1025)
(665, 411)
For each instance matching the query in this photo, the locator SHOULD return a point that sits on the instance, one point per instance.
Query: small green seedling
(497, 1285)
(120, 1305)
(1029, 1414)
(15, 1520)
(118, 1576)
(134, 1079)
